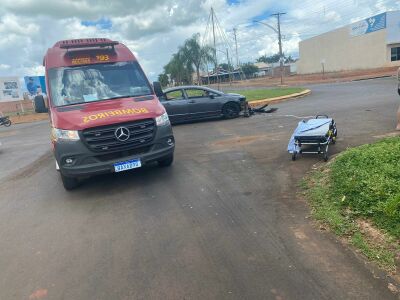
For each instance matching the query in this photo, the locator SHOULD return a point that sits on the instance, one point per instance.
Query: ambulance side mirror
(158, 89)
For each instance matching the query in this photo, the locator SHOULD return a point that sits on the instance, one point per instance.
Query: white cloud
(4, 67)
(154, 29)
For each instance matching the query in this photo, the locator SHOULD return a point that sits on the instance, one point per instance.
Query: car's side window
(196, 93)
(174, 95)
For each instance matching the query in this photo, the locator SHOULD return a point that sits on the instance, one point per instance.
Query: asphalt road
(224, 222)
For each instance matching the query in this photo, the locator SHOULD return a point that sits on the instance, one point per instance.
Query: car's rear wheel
(167, 161)
(69, 183)
(230, 110)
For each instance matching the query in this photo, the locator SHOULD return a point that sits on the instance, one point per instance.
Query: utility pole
(237, 56)
(229, 66)
(215, 48)
(278, 15)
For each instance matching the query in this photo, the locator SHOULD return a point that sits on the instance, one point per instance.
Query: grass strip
(261, 94)
(361, 186)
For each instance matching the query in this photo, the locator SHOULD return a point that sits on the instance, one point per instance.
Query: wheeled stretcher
(316, 134)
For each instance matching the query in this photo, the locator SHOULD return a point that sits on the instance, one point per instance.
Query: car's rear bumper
(86, 163)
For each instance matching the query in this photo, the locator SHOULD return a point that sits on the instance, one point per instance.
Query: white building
(370, 43)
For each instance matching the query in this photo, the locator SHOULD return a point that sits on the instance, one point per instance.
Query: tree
(163, 79)
(249, 69)
(195, 54)
(269, 59)
(289, 59)
(178, 68)
(226, 67)
(274, 59)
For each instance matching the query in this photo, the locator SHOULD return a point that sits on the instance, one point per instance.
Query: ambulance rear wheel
(69, 183)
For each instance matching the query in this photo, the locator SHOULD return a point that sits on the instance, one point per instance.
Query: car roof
(191, 87)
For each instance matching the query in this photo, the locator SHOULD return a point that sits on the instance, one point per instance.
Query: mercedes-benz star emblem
(122, 134)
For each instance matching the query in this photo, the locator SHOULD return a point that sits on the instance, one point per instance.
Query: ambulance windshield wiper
(127, 96)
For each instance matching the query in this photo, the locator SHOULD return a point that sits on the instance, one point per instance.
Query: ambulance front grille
(104, 139)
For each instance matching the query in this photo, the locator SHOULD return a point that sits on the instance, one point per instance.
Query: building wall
(15, 106)
(340, 51)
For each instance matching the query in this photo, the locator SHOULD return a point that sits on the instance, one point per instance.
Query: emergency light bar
(85, 43)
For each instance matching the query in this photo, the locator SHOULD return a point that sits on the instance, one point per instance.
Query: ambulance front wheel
(69, 183)
(166, 161)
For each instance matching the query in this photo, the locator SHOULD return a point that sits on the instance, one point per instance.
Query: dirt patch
(29, 118)
(32, 168)
(293, 80)
(377, 237)
(390, 134)
(371, 232)
(238, 141)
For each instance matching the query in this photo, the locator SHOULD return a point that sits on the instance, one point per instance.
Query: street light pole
(229, 66)
(215, 48)
(278, 15)
(237, 55)
(278, 31)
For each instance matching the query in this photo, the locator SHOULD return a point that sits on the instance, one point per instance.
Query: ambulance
(105, 115)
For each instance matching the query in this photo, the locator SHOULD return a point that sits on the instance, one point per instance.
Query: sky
(154, 29)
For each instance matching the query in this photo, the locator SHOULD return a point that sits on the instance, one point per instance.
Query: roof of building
(262, 65)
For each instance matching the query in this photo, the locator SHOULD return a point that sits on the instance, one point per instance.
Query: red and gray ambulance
(105, 116)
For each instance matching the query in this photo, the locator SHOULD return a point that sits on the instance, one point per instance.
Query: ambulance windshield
(90, 83)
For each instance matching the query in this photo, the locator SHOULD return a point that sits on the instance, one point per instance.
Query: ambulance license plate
(127, 165)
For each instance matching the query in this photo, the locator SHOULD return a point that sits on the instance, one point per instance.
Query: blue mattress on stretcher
(313, 130)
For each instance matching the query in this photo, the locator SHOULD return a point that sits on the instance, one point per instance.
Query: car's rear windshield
(97, 82)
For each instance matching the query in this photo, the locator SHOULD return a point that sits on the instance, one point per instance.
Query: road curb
(280, 99)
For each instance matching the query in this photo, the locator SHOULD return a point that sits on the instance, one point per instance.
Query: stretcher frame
(322, 146)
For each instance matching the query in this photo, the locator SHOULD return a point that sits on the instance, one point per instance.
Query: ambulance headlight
(64, 135)
(163, 120)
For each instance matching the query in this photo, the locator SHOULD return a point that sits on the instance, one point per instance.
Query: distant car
(189, 103)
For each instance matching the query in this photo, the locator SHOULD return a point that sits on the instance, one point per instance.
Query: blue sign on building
(368, 25)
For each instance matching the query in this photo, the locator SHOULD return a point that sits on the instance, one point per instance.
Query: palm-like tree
(178, 68)
(195, 54)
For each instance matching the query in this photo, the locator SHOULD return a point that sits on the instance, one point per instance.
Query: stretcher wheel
(326, 157)
(294, 156)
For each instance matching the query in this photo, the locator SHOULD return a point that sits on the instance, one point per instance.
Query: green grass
(361, 183)
(253, 95)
